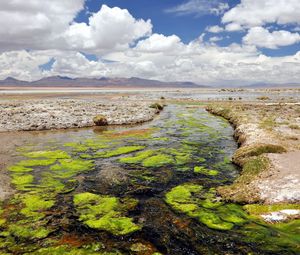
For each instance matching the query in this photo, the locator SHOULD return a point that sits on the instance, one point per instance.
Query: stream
(147, 190)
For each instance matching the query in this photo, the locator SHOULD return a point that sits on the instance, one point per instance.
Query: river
(146, 190)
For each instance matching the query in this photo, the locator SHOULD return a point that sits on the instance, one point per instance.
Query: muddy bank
(268, 135)
(48, 114)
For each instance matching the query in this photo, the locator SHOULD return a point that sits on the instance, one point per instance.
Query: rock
(100, 120)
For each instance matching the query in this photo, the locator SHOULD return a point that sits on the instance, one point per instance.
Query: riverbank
(41, 114)
(269, 152)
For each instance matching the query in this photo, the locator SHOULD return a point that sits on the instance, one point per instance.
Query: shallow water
(147, 189)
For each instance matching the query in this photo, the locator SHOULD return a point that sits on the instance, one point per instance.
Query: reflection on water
(148, 189)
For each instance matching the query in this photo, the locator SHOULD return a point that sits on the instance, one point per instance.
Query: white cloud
(108, 29)
(251, 13)
(50, 25)
(159, 43)
(215, 38)
(214, 29)
(261, 37)
(197, 61)
(35, 24)
(232, 27)
(200, 7)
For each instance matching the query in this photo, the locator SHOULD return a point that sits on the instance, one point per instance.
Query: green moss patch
(192, 200)
(58, 154)
(203, 170)
(139, 157)
(35, 205)
(119, 151)
(64, 249)
(22, 181)
(158, 160)
(241, 190)
(105, 213)
(245, 152)
(258, 209)
(70, 167)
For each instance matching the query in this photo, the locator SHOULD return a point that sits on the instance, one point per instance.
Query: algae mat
(145, 190)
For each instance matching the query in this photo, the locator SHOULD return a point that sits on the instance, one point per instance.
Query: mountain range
(60, 81)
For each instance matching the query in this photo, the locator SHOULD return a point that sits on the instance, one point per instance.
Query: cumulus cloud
(35, 24)
(50, 25)
(200, 7)
(261, 37)
(251, 13)
(160, 43)
(232, 27)
(215, 38)
(108, 29)
(214, 29)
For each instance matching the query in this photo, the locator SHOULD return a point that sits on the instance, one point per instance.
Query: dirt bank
(269, 138)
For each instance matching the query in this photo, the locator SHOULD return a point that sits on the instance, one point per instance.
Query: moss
(104, 213)
(29, 231)
(88, 145)
(212, 220)
(119, 151)
(58, 154)
(245, 152)
(64, 249)
(233, 213)
(158, 160)
(192, 200)
(140, 156)
(71, 167)
(241, 190)
(258, 209)
(22, 181)
(142, 175)
(203, 170)
(34, 205)
(36, 162)
(19, 169)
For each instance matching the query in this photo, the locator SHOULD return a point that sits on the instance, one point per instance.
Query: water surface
(148, 189)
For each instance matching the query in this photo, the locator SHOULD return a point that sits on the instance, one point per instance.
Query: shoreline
(269, 161)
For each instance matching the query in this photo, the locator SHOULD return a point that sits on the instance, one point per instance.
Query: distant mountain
(134, 82)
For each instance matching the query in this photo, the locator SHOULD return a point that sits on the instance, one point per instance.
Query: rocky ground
(69, 113)
(269, 135)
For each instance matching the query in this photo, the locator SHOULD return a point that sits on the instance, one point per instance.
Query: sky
(215, 42)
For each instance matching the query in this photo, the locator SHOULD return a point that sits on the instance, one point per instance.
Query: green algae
(140, 156)
(158, 160)
(22, 181)
(192, 200)
(104, 213)
(70, 167)
(203, 170)
(19, 169)
(88, 145)
(28, 231)
(34, 205)
(24, 166)
(258, 209)
(119, 151)
(58, 154)
(64, 249)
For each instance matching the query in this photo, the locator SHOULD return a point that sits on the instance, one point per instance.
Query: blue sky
(215, 42)
(186, 26)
